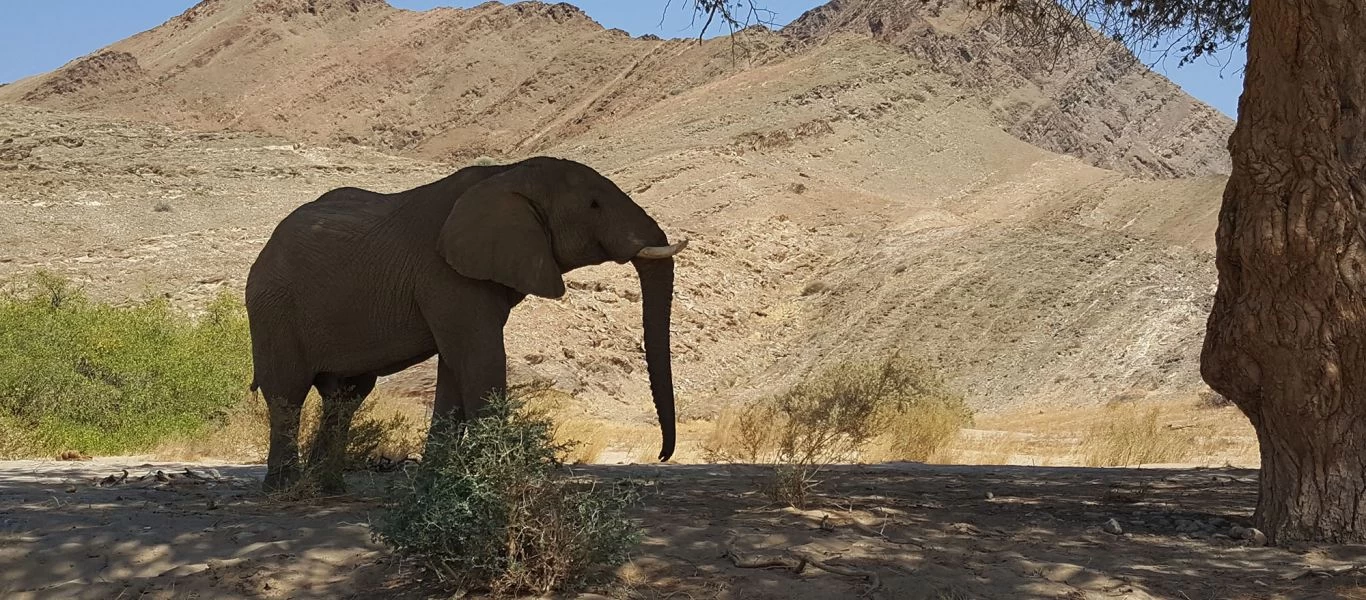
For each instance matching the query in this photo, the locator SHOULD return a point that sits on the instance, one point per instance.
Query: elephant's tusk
(662, 251)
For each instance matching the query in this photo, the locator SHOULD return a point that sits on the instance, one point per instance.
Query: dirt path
(1037, 534)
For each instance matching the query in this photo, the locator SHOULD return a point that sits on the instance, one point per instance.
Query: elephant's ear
(494, 234)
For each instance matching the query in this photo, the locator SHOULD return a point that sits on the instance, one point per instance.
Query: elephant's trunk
(657, 292)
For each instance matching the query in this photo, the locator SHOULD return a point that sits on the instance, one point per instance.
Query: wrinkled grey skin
(357, 285)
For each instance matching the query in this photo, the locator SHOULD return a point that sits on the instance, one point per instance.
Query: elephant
(357, 285)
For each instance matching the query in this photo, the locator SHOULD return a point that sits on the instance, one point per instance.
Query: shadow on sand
(946, 532)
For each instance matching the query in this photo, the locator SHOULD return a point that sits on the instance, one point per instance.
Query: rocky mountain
(1097, 102)
(849, 189)
(509, 80)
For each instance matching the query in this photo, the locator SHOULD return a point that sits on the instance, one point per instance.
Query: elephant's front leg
(473, 366)
(447, 410)
(483, 373)
(468, 331)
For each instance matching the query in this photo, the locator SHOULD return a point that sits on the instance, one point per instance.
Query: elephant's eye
(594, 203)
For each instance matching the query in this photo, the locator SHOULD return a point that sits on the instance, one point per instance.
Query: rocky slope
(507, 80)
(846, 197)
(1097, 101)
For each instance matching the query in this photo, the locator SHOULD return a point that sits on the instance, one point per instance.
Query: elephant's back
(341, 215)
(319, 236)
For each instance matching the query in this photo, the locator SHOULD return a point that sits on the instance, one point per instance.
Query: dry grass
(594, 441)
(1144, 431)
(923, 434)
(385, 426)
(394, 426)
(1181, 430)
(240, 436)
(847, 414)
(16, 440)
(1132, 435)
(589, 439)
(742, 434)
(836, 416)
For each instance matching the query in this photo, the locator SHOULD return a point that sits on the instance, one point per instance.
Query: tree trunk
(1286, 340)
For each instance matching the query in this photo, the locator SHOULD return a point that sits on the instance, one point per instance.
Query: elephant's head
(540, 218)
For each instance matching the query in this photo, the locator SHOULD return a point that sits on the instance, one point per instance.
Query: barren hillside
(517, 79)
(845, 197)
(1098, 103)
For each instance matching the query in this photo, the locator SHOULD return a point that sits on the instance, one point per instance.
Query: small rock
(1112, 527)
(1254, 535)
(1236, 532)
(990, 495)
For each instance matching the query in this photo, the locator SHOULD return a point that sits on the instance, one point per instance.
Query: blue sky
(40, 36)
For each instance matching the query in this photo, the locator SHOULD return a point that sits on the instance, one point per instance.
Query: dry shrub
(490, 508)
(922, 433)
(1132, 435)
(745, 434)
(834, 416)
(1213, 399)
(815, 287)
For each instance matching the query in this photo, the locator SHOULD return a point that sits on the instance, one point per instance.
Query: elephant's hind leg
(285, 404)
(341, 397)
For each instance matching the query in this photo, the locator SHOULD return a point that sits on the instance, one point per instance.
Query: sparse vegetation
(837, 416)
(101, 379)
(162, 206)
(490, 508)
(815, 287)
(1132, 435)
(922, 432)
(383, 428)
(1213, 399)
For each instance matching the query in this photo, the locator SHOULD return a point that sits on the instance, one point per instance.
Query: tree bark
(1286, 340)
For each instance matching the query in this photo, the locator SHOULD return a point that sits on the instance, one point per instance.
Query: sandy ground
(947, 532)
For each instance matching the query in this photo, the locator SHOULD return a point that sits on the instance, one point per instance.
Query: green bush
(101, 379)
(491, 508)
